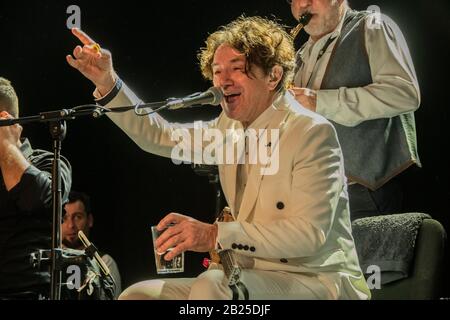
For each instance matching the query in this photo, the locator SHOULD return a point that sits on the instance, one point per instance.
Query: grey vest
(375, 150)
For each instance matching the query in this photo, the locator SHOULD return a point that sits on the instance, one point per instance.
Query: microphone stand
(212, 172)
(58, 130)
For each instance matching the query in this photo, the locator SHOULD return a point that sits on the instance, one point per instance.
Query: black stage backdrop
(154, 46)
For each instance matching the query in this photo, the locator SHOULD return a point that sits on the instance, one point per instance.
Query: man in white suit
(291, 234)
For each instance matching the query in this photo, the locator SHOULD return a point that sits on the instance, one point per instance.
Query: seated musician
(291, 235)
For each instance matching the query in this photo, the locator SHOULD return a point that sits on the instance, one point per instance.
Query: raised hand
(93, 62)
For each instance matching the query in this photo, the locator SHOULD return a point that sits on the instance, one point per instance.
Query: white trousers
(212, 285)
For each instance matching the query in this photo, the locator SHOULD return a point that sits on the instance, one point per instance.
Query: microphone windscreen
(217, 94)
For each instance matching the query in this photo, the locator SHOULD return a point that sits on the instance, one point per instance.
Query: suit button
(252, 249)
(240, 247)
(280, 205)
(246, 248)
(234, 246)
(284, 260)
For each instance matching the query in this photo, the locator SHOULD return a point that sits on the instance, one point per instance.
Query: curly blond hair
(264, 43)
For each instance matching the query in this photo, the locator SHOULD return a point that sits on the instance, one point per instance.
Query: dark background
(154, 45)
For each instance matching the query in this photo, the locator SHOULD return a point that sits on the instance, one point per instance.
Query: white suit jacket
(296, 220)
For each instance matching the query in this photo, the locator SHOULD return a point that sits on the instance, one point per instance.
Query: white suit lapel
(256, 174)
(229, 171)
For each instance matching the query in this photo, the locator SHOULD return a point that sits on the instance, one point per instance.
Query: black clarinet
(302, 22)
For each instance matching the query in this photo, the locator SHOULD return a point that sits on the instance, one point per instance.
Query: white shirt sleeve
(114, 269)
(395, 89)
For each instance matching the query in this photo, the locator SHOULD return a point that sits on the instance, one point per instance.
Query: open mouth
(230, 98)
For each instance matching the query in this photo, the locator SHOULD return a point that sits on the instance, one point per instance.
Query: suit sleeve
(154, 134)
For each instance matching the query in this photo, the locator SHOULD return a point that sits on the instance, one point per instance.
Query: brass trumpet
(303, 21)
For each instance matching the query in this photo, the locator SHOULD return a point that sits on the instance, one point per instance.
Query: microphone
(212, 96)
(92, 252)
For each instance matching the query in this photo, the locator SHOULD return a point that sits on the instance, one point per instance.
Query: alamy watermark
(74, 20)
(375, 23)
(232, 146)
(374, 280)
(73, 277)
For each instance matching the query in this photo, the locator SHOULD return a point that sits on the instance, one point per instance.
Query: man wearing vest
(356, 71)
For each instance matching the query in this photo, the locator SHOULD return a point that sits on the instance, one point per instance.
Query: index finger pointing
(82, 36)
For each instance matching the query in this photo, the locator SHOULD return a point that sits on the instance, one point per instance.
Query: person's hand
(306, 97)
(10, 135)
(93, 62)
(186, 234)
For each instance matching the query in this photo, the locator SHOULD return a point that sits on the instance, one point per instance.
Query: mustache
(306, 12)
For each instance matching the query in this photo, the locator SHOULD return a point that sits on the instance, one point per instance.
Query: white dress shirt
(394, 90)
(243, 169)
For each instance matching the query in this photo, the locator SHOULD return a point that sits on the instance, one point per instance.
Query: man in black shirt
(25, 205)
